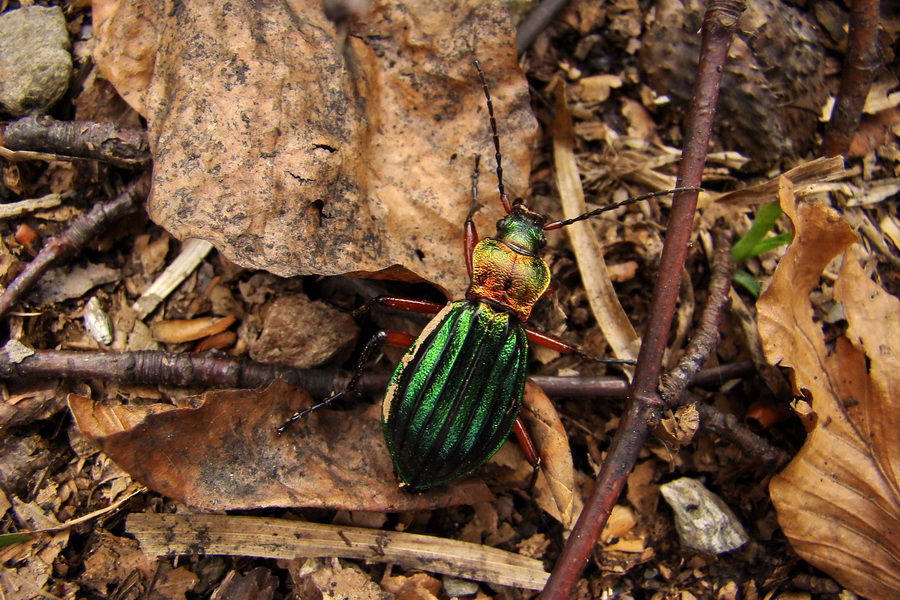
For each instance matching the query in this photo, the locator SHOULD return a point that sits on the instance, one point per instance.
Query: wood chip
(14, 209)
(192, 254)
(168, 534)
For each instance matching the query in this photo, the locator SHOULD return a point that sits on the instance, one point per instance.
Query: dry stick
(673, 385)
(730, 429)
(861, 62)
(100, 141)
(216, 371)
(74, 238)
(643, 406)
(706, 336)
(536, 21)
(174, 369)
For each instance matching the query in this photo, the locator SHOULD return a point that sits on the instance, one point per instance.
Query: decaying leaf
(303, 333)
(558, 497)
(297, 152)
(839, 499)
(554, 491)
(226, 454)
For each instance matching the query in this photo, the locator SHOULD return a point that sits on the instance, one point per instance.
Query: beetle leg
(528, 449)
(563, 347)
(391, 338)
(552, 287)
(404, 304)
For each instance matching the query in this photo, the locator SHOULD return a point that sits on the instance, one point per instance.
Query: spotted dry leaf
(296, 152)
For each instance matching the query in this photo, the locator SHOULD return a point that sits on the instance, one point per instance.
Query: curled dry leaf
(226, 454)
(297, 150)
(839, 499)
(557, 496)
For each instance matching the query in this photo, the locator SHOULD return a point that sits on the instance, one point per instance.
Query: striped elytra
(455, 396)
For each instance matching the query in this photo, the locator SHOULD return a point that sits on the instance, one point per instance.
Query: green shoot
(755, 243)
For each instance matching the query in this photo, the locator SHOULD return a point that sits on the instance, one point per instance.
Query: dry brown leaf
(419, 586)
(326, 578)
(32, 560)
(554, 491)
(621, 521)
(839, 499)
(643, 491)
(296, 153)
(226, 454)
(558, 497)
(258, 584)
(111, 559)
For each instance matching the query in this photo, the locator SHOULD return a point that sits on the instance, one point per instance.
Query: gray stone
(702, 519)
(35, 64)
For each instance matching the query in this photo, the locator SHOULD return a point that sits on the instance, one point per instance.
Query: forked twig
(71, 241)
(644, 404)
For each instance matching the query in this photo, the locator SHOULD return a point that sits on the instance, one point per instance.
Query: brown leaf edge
(838, 500)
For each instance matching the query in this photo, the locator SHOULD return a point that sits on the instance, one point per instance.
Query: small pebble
(703, 520)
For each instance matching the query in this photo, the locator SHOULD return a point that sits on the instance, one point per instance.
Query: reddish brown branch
(860, 64)
(74, 238)
(99, 141)
(642, 407)
(216, 371)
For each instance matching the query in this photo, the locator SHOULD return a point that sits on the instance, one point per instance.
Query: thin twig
(70, 242)
(730, 429)
(861, 62)
(706, 335)
(642, 408)
(99, 141)
(206, 370)
(537, 21)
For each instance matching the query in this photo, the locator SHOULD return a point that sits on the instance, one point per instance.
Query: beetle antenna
(609, 207)
(490, 106)
(474, 206)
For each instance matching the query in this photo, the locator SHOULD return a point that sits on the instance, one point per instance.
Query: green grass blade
(755, 242)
